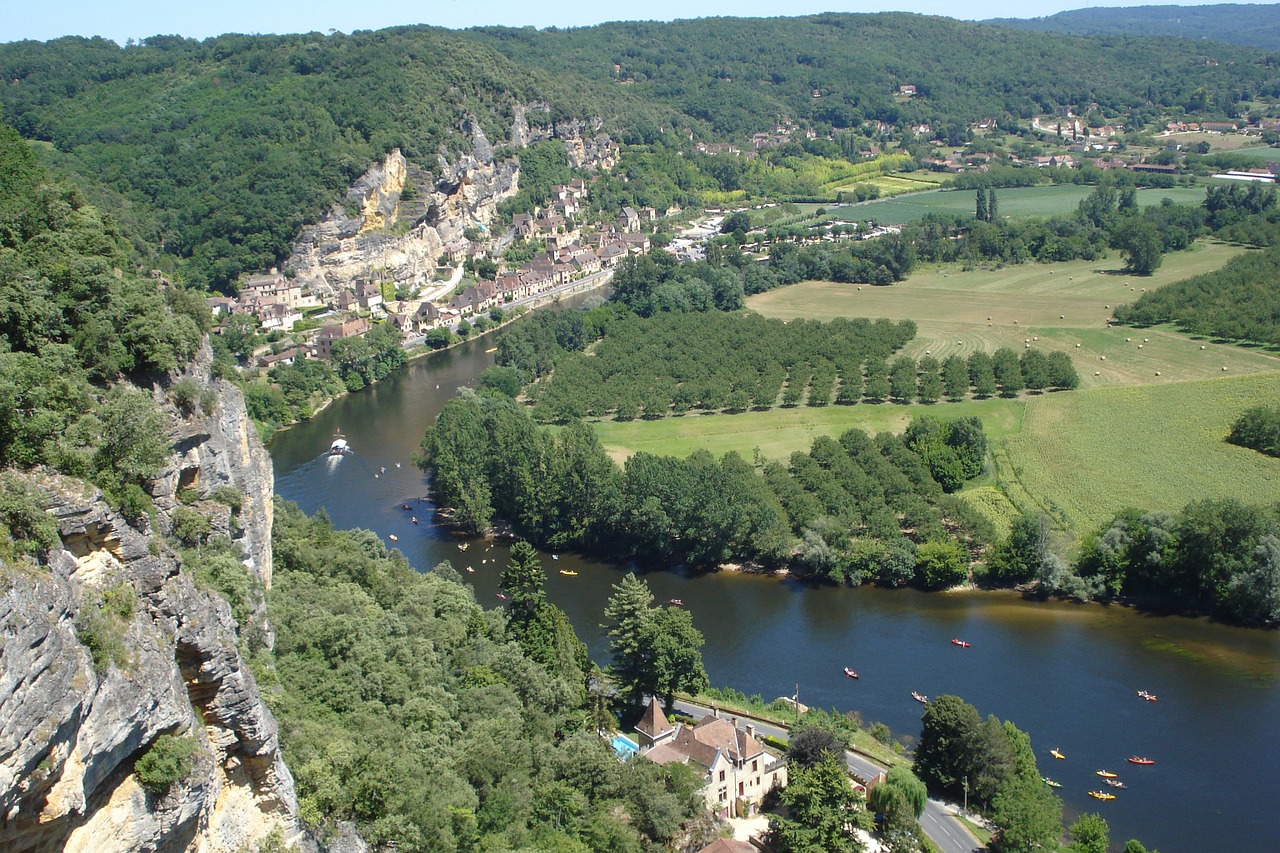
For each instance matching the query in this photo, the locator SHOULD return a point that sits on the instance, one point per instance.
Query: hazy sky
(124, 19)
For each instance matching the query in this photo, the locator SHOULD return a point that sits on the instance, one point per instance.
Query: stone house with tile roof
(737, 771)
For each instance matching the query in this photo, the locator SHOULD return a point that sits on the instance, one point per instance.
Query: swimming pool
(623, 746)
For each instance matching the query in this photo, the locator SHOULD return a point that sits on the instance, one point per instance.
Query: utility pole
(966, 794)
(797, 705)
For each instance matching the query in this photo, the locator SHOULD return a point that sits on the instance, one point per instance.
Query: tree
(1008, 372)
(982, 374)
(981, 212)
(644, 661)
(1090, 834)
(1139, 242)
(941, 563)
(1029, 818)
(824, 811)
(902, 781)
(739, 220)
(811, 745)
(902, 379)
(993, 206)
(676, 654)
(955, 378)
(523, 581)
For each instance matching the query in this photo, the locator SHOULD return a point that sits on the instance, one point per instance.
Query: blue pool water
(624, 746)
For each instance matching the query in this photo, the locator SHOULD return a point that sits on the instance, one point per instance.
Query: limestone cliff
(109, 644)
(398, 218)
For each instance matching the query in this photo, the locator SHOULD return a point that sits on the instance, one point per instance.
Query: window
(721, 775)
(755, 768)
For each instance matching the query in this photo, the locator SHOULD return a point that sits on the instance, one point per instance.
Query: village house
(277, 315)
(736, 769)
(286, 357)
(907, 89)
(219, 305)
(329, 335)
(628, 220)
(369, 297)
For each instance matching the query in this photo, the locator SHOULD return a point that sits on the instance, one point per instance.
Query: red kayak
(961, 643)
(850, 672)
(1134, 759)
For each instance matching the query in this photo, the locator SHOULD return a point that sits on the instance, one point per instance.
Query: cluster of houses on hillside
(278, 301)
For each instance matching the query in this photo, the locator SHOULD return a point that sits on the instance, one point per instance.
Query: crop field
(1266, 155)
(1051, 306)
(776, 434)
(1085, 455)
(1014, 202)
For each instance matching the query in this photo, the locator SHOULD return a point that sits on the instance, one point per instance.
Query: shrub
(25, 528)
(185, 393)
(189, 526)
(167, 761)
(228, 496)
(101, 624)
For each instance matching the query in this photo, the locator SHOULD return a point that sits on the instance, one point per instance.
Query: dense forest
(217, 151)
(76, 320)
(1252, 25)
(437, 725)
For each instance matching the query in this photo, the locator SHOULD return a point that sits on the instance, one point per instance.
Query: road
(939, 820)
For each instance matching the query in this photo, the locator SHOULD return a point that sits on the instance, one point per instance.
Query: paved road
(938, 821)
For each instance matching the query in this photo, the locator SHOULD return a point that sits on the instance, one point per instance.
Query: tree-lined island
(892, 300)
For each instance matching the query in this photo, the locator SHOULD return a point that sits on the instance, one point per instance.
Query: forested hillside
(219, 150)
(1234, 23)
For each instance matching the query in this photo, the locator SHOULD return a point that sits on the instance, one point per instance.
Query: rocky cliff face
(381, 230)
(111, 644)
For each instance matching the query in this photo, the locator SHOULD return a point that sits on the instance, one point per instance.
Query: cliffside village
(572, 253)
(278, 301)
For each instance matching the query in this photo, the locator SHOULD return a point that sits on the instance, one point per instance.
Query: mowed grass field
(1050, 306)
(1014, 202)
(1085, 455)
(777, 433)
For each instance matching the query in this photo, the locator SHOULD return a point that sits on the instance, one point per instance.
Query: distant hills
(221, 149)
(1250, 25)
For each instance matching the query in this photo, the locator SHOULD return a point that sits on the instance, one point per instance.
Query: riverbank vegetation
(849, 510)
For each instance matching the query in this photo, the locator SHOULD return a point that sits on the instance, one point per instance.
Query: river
(1067, 674)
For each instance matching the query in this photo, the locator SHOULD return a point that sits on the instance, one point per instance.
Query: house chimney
(715, 712)
(751, 730)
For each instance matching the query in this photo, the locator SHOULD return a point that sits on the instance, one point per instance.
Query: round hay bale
(1139, 346)
(1126, 340)
(1104, 358)
(1097, 373)
(1157, 373)
(1224, 368)
(1062, 316)
(1077, 346)
(1146, 340)
(1202, 346)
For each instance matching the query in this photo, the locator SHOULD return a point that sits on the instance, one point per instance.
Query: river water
(1067, 674)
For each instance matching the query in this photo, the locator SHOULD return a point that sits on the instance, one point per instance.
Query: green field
(1014, 202)
(1266, 155)
(1145, 430)
(1052, 306)
(777, 433)
(1084, 455)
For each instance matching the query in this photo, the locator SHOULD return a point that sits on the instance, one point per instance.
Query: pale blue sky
(123, 19)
